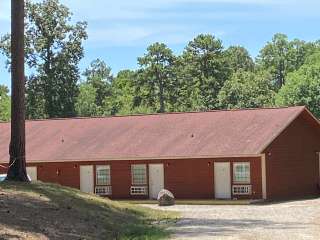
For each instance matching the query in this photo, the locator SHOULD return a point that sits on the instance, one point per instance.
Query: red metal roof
(173, 135)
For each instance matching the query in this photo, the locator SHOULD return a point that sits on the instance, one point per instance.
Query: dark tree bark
(17, 166)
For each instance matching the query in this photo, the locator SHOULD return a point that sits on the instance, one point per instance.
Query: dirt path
(298, 220)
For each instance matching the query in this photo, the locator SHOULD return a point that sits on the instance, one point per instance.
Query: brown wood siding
(67, 173)
(292, 163)
(3, 167)
(189, 178)
(192, 178)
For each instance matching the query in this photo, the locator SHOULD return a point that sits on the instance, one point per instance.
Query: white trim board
(264, 176)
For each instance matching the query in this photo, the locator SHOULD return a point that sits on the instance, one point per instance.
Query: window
(103, 175)
(139, 174)
(241, 172)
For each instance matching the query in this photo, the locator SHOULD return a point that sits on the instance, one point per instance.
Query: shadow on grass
(292, 200)
(58, 212)
(198, 227)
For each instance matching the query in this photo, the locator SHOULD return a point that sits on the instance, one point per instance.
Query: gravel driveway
(296, 220)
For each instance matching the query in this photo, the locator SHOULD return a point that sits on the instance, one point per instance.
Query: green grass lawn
(49, 210)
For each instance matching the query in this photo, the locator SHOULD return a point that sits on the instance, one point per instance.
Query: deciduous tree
(86, 101)
(53, 51)
(239, 58)
(303, 86)
(98, 74)
(122, 98)
(281, 56)
(247, 90)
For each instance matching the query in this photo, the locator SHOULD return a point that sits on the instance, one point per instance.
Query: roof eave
(144, 158)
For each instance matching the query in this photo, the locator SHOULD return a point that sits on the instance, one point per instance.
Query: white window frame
(103, 167)
(133, 180)
(235, 180)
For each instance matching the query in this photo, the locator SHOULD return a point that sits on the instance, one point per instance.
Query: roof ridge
(159, 114)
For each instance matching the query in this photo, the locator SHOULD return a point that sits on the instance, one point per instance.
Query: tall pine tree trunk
(17, 169)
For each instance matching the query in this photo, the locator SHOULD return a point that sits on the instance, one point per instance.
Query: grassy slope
(49, 211)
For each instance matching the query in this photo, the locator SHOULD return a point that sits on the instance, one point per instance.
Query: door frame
(230, 178)
(149, 175)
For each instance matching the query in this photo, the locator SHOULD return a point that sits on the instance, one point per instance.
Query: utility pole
(17, 164)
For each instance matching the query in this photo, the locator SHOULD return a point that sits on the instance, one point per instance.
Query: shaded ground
(49, 211)
(298, 220)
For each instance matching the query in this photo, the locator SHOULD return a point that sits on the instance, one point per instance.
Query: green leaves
(303, 86)
(247, 90)
(98, 74)
(281, 56)
(208, 69)
(155, 77)
(239, 58)
(5, 106)
(53, 51)
(86, 101)
(206, 76)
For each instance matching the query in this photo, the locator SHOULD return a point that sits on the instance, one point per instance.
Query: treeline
(205, 76)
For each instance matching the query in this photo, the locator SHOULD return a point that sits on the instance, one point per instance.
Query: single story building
(270, 153)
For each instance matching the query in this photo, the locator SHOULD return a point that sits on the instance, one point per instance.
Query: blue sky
(120, 30)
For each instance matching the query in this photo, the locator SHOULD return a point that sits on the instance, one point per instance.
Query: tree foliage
(206, 68)
(239, 59)
(247, 90)
(303, 86)
(281, 56)
(155, 78)
(53, 51)
(5, 106)
(121, 100)
(86, 101)
(98, 74)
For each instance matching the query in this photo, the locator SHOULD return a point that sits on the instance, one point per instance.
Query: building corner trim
(264, 176)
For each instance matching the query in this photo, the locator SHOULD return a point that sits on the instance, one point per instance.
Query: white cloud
(134, 35)
(117, 35)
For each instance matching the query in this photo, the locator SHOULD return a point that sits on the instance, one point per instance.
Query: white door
(86, 178)
(222, 180)
(156, 180)
(32, 173)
